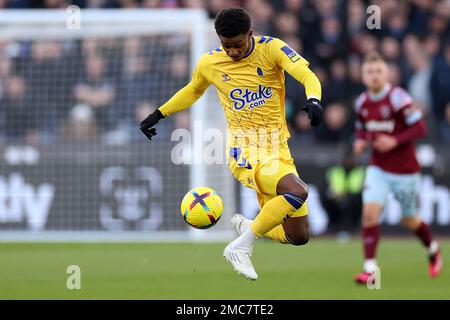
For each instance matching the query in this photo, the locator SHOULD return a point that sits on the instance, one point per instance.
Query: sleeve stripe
(359, 102)
(265, 39)
(399, 98)
(413, 118)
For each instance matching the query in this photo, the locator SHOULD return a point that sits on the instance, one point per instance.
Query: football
(201, 207)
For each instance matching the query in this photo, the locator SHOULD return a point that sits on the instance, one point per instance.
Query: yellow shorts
(262, 173)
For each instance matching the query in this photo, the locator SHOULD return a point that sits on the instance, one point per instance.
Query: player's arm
(360, 144)
(182, 100)
(412, 118)
(297, 67)
(416, 126)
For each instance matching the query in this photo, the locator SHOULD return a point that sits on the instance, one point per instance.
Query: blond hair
(373, 56)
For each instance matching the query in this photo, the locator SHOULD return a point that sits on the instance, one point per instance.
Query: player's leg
(239, 251)
(272, 214)
(296, 230)
(241, 223)
(422, 231)
(286, 183)
(405, 189)
(288, 195)
(370, 236)
(292, 230)
(278, 185)
(370, 231)
(280, 232)
(374, 196)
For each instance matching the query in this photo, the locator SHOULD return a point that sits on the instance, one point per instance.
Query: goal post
(82, 171)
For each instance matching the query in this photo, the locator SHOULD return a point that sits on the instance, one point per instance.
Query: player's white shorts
(378, 183)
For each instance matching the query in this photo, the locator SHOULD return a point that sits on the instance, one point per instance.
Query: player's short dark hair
(232, 22)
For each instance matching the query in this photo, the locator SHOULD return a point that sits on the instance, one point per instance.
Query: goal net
(73, 88)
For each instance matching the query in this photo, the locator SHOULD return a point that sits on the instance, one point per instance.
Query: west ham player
(389, 123)
(248, 73)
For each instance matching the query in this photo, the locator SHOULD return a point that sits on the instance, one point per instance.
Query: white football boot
(240, 258)
(239, 251)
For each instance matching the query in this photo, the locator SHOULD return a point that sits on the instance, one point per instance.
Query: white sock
(433, 248)
(244, 225)
(370, 265)
(244, 240)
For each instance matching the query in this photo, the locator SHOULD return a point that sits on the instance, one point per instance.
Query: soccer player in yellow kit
(248, 73)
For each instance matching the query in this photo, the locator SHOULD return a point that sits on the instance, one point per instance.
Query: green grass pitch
(321, 270)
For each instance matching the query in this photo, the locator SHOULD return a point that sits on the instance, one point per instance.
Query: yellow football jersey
(252, 90)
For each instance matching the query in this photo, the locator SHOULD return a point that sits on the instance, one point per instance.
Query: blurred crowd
(100, 89)
(89, 90)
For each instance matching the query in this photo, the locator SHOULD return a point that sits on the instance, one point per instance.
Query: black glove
(148, 123)
(314, 110)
